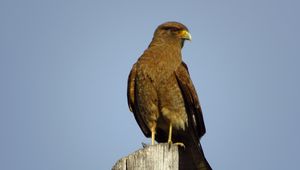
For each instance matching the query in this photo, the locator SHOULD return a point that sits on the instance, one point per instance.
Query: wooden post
(152, 157)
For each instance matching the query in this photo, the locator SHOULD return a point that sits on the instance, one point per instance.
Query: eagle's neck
(165, 42)
(161, 59)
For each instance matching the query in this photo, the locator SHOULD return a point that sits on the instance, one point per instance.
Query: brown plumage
(163, 98)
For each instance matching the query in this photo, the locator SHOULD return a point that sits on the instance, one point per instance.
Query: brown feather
(191, 100)
(160, 93)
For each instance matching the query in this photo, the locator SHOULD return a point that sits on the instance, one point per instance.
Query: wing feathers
(191, 100)
(132, 103)
(131, 88)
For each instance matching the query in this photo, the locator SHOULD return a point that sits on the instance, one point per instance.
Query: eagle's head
(172, 32)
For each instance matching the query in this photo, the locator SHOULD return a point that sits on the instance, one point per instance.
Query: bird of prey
(162, 97)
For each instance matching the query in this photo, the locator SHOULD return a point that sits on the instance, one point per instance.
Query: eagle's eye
(172, 29)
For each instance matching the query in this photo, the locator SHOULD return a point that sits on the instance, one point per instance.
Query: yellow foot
(180, 144)
(177, 143)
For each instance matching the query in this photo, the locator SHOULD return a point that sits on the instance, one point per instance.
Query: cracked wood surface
(152, 157)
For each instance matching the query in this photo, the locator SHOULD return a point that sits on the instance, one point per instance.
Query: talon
(180, 144)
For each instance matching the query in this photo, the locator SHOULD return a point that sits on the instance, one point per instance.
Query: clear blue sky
(64, 68)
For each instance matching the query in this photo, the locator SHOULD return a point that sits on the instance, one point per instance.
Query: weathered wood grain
(152, 157)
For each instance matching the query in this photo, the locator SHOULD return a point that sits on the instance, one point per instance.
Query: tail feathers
(192, 157)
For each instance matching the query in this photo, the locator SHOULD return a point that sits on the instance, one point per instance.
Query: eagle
(162, 96)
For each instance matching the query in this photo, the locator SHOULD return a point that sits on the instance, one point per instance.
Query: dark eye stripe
(171, 28)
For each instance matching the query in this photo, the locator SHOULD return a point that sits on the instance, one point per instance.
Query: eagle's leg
(170, 138)
(170, 134)
(153, 132)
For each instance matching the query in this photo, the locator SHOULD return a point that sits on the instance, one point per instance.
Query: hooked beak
(185, 35)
